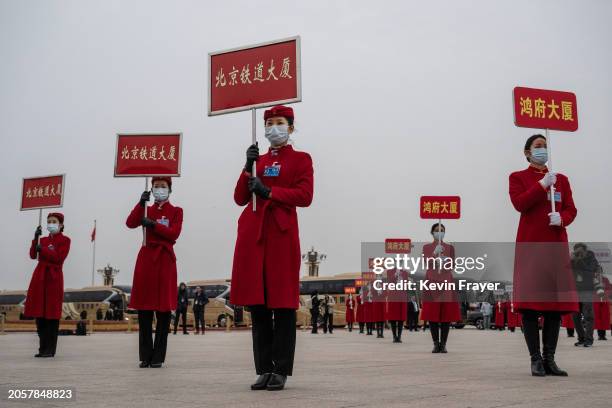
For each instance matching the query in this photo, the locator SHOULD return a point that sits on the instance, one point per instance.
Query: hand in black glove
(252, 155)
(38, 248)
(38, 232)
(144, 198)
(147, 222)
(259, 188)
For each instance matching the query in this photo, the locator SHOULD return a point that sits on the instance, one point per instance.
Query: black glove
(37, 233)
(147, 222)
(144, 198)
(252, 155)
(259, 188)
(38, 248)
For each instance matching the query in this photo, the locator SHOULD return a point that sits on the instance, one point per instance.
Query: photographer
(585, 267)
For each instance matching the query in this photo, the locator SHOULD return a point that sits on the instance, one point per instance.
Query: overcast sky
(400, 99)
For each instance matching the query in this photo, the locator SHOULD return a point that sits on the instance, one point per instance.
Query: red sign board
(143, 155)
(440, 207)
(349, 289)
(42, 192)
(254, 76)
(360, 282)
(544, 109)
(397, 245)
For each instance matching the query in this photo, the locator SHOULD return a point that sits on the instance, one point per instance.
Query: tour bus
(12, 303)
(94, 298)
(219, 307)
(332, 286)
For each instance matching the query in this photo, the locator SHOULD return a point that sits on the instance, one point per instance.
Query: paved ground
(482, 369)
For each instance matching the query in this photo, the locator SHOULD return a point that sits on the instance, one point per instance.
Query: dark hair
(530, 141)
(83, 314)
(289, 120)
(580, 245)
(433, 227)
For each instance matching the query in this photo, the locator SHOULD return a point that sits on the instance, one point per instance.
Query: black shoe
(399, 340)
(443, 348)
(436, 348)
(261, 382)
(551, 367)
(537, 367)
(588, 344)
(144, 364)
(570, 335)
(395, 340)
(602, 338)
(185, 333)
(44, 355)
(156, 365)
(579, 343)
(276, 382)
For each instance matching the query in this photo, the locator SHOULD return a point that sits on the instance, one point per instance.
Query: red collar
(533, 169)
(275, 151)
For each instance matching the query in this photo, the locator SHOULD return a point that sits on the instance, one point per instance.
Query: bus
(219, 307)
(12, 304)
(94, 298)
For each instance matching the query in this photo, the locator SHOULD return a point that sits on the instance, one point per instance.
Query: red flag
(93, 234)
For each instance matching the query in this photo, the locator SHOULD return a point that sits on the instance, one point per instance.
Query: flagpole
(93, 262)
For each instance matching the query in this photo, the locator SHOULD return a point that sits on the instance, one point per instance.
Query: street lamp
(313, 258)
(108, 274)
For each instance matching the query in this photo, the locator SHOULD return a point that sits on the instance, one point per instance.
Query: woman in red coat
(544, 284)
(440, 307)
(368, 308)
(513, 317)
(46, 291)
(601, 310)
(397, 305)
(359, 317)
(154, 289)
(567, 321)
(350, 311)
(265, 274)
(500, 308)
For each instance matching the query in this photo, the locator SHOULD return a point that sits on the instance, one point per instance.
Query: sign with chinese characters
(544, 109)
(144, 155)
(397, 245)
(42, 192)
(254, 76)
(440, 207)
(360, 282)
(350, 289)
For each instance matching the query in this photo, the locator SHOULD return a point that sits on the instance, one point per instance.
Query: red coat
(514, 317)
(500, 307)
(359, 317)
(46, 291)
(267, 255)
(567, 321)
(543, 279)
(154, 285)
(601, 308)
(440, 305)
(368, 305)
(350, 309)
(397, 308)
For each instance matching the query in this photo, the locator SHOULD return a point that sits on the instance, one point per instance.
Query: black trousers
(148, 349)
(182, 313)
(47, 335)
(361, 326)
(273, 339)
(396, 328)
(314, 320)
(413, 321)
(198, 315)
(583, 322)
(550, 333)
(439, 332)
(328, 323)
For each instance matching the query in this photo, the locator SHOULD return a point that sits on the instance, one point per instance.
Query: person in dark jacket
(314, 311)
(584, 266)
(200, 300)
(182, 301)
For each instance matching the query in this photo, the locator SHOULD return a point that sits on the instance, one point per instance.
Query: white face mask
(161, 194)
(277, 134)
(53, 228)
(438, 235)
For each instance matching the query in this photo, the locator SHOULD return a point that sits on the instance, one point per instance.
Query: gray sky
(400, 100)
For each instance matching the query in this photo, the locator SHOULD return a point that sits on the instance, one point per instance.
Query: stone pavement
(482, 369)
